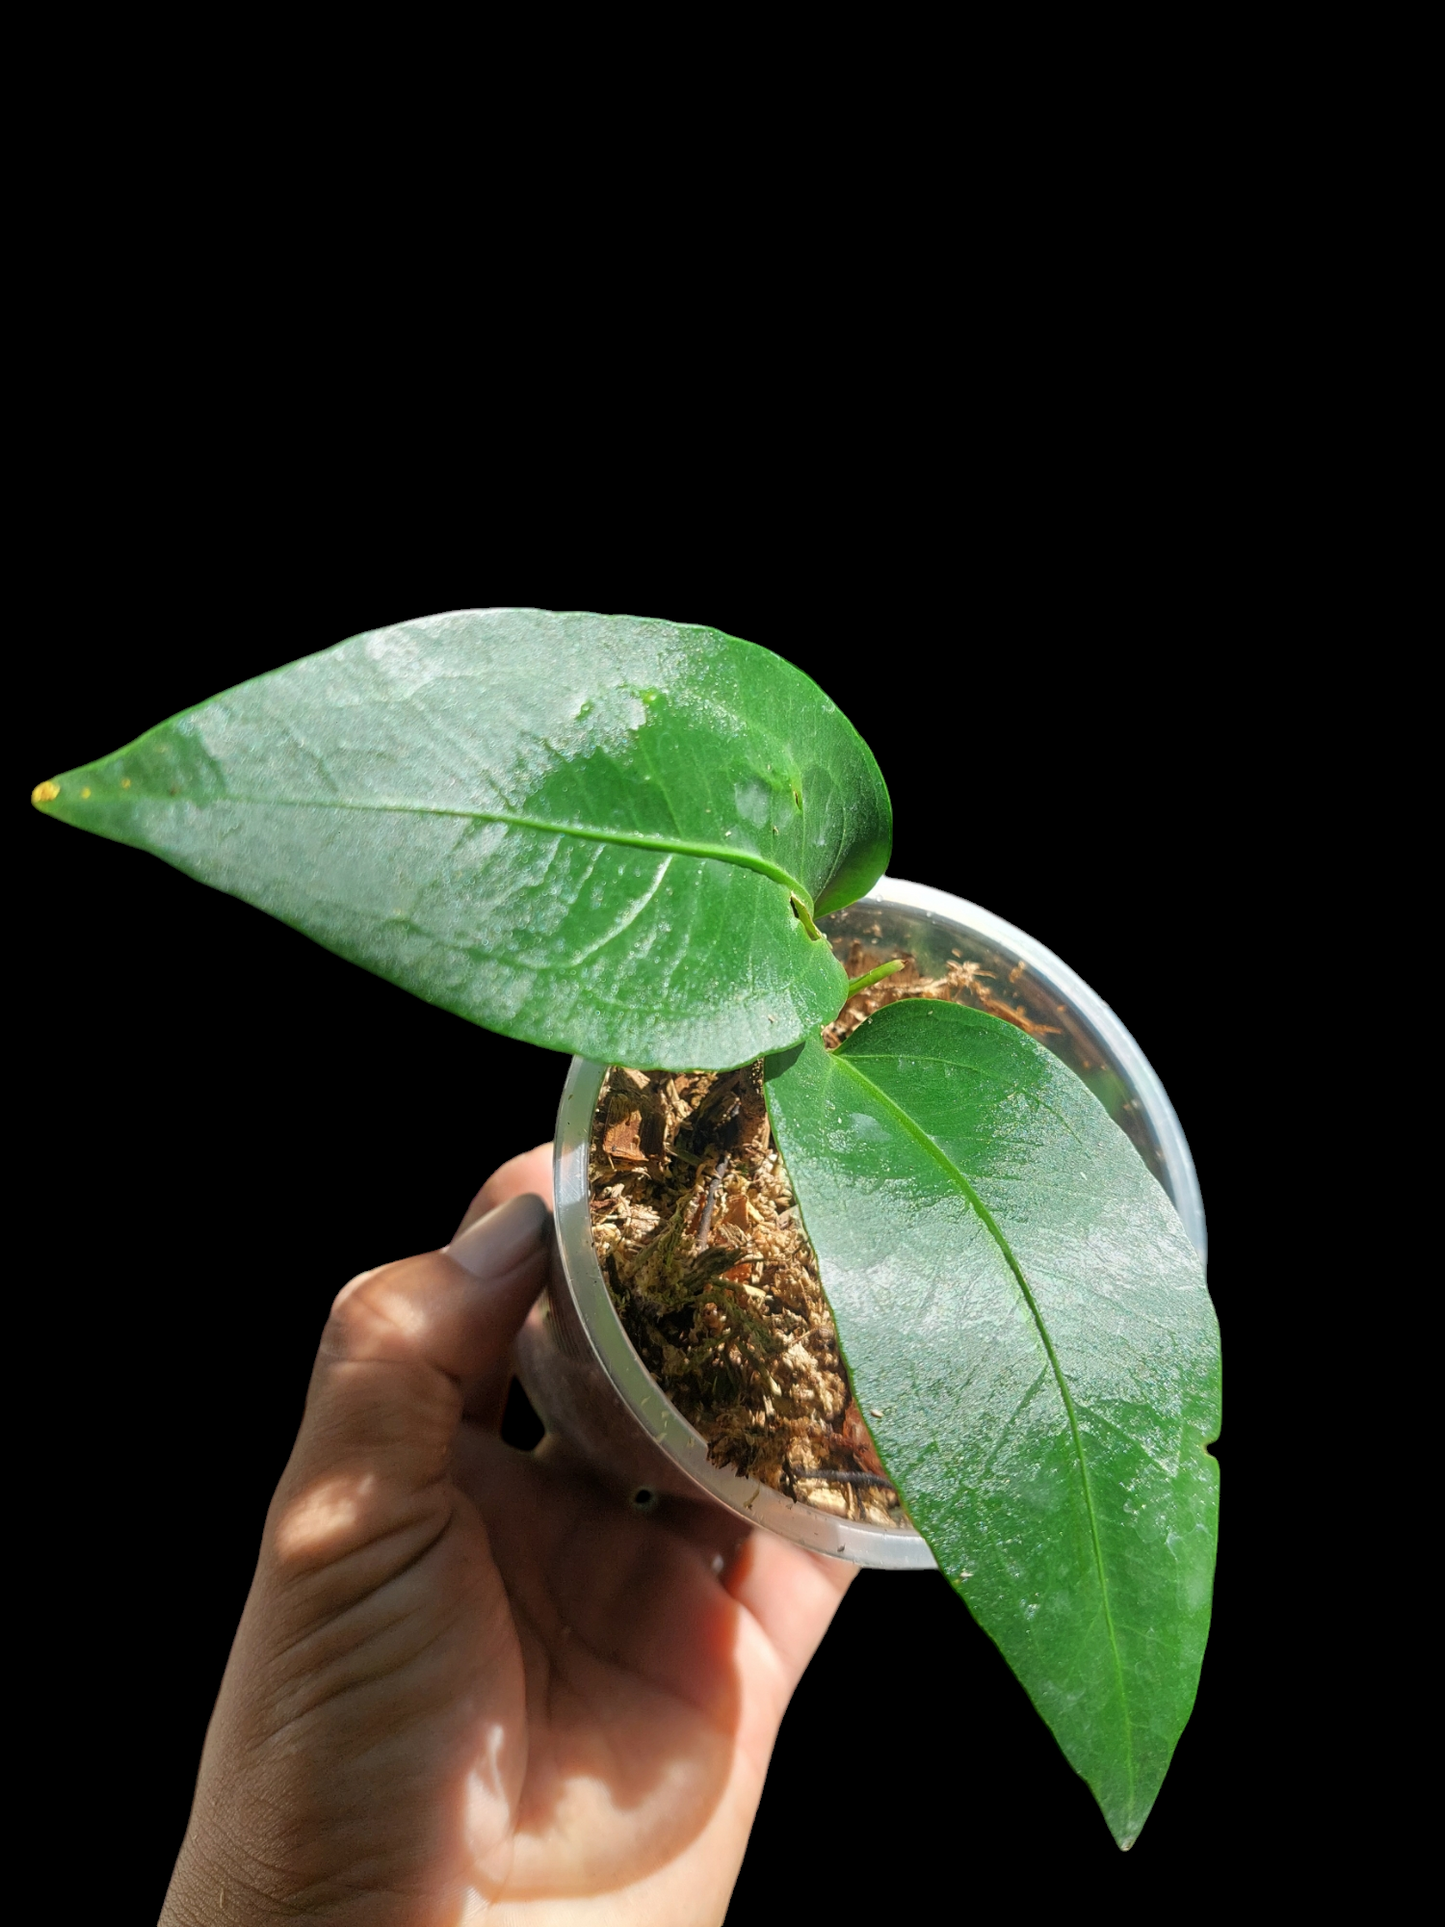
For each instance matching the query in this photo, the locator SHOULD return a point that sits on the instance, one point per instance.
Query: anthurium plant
(615, 836)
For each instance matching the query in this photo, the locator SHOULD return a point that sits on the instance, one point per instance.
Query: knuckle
(323, 1517)
(380, 1312)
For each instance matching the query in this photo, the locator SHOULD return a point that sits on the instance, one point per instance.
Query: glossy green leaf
(598, 833)
(1029, 1332)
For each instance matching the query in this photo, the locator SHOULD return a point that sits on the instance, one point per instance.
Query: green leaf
(1017, 1298)
(598, 833)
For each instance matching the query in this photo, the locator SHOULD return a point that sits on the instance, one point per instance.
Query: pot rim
(1181, 1178)
(899, 1548)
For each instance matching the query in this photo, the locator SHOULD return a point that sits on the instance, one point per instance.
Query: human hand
(468, 1683)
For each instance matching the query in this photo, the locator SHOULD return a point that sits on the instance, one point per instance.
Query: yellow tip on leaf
(45, 792)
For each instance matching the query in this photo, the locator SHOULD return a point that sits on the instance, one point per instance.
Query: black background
(1054, 655)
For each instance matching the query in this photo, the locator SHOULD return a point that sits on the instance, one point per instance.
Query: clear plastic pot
(575, 1359)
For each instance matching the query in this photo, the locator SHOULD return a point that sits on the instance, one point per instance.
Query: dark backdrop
(222, 1122)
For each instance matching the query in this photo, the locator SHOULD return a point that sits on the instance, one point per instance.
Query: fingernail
(499, 1239)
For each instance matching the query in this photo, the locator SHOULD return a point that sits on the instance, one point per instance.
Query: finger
(791, 1593)
(485, 1397)
(529, 1172)
(385, 1396)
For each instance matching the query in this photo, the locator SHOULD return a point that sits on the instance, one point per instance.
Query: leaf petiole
(805, 916)
(871, 977)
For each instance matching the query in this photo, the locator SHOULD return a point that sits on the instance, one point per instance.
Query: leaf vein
(632, 840)
(916, 1131)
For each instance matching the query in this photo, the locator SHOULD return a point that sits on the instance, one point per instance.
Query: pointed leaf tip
(45, 792)
(1021, 1307)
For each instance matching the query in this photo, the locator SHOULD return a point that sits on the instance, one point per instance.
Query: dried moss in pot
(717, 1286)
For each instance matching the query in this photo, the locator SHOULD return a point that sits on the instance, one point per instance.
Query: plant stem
(870, 977)
(805, 916)
(704, 1223)
(848, 1478)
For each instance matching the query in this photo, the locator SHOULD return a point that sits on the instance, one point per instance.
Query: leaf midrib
(632, 840)
(936, 1150)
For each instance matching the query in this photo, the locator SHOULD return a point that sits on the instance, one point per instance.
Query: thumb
(371, 1457)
